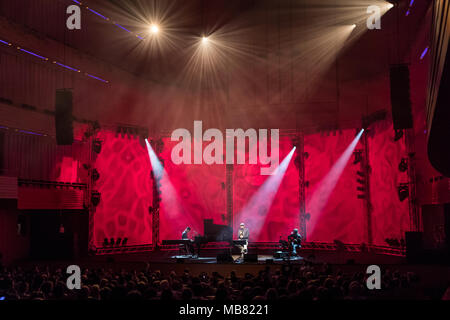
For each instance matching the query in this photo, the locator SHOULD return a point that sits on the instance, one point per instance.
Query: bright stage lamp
(154, 29)
(205, 40)
(389, 6)
(353, 26)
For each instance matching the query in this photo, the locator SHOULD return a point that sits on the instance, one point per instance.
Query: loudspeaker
(2, 143)
(224, 257)
(447, 225)
(250, 257)
(400, 99)
(414, 245)
(63, 117)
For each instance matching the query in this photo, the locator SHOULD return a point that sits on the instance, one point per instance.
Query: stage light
(95, 198)
(97, 146)
(403, 165)
(398, 135)
(353, 26)
(154, 29)
(358, 156)
(389, 6)
(403, 191)
(205, 40)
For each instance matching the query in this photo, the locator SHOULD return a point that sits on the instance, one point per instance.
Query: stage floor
(237, 259)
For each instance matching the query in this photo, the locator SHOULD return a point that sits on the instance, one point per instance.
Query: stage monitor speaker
(414, 245)
(224, 258)
(400, 98)
(63, 117)
(250, 257)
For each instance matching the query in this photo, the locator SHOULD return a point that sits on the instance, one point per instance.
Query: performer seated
(295, 240)
(189, 247)
(243, 234)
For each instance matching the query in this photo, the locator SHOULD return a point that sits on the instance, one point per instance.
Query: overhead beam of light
(255, 211)
(170, 200)
(326, 186)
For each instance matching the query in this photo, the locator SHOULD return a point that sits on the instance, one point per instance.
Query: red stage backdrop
(191, 193)
(126, 191)
(341, 217)
(199, 192)
(390, 216)
(267, 224)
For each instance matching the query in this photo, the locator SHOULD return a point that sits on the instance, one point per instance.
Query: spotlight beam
(326, 186)
(255, 211)
(171, 203)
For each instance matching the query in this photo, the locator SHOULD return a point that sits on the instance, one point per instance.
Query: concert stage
(314, 253)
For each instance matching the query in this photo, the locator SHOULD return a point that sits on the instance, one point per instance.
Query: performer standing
(295, 240)
(243, 234)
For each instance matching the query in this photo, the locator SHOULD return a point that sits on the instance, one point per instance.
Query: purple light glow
(97, 78)
(67, 67)
(121, 27)
(33, 54)
(424, 53)
(30, 132)
(98, 14)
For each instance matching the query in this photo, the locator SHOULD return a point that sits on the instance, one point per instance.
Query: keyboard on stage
(179, 241)
(212, 233)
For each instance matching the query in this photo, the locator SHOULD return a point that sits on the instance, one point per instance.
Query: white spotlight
(389, 6)
(154, 29)
(353, 26)
(205, 40)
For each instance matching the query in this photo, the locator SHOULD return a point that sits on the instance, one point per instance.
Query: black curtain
(48, 243)
(438, 98)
